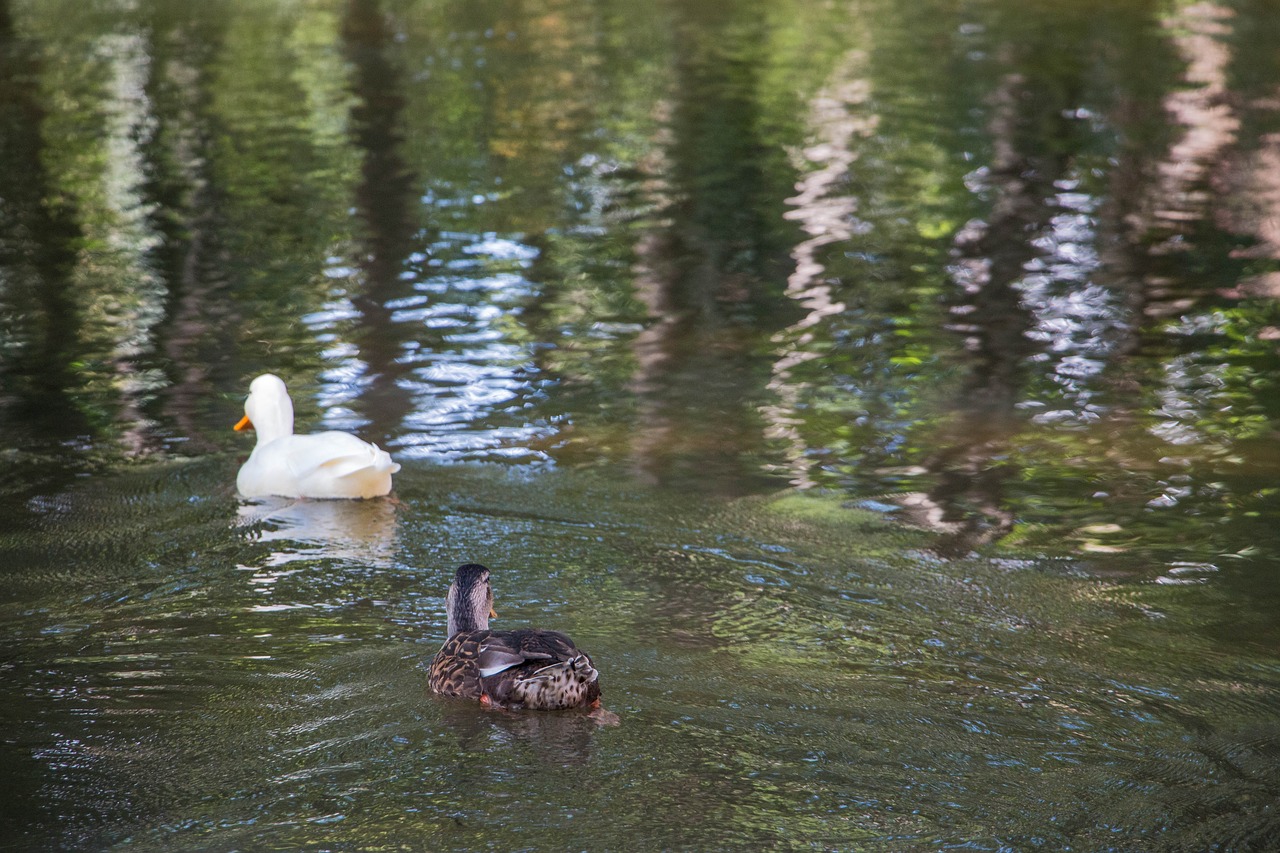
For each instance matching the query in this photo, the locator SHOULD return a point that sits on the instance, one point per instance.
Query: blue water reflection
(465, 382)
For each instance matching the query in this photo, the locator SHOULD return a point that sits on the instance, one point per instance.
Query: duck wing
(338, 464)
(537, 669)
(528, 668)
(499, 657)
(506, 649)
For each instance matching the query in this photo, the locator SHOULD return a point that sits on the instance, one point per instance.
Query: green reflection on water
(787, 672)
(751, 241)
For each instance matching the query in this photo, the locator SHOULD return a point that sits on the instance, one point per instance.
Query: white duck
(320, 465)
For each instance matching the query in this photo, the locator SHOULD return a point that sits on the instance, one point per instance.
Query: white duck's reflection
(357, 531)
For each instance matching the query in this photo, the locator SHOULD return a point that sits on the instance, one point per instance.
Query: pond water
(885, 395)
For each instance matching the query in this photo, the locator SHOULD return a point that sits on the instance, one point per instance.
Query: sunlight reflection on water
(464, 380)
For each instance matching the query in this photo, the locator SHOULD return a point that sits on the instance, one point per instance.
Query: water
(884, 397)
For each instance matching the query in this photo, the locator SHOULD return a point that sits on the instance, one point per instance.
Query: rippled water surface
(883, 394)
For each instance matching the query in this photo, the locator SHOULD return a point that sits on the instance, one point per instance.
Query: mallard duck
(320, 465)
(526, 668)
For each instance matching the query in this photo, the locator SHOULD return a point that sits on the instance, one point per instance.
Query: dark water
(884, 394)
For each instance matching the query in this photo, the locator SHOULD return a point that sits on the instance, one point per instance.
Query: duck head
(268, 409)
(470, 599)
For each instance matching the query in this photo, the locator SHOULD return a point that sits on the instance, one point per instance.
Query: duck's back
(319, 465)
(529, 668)
(340, 465)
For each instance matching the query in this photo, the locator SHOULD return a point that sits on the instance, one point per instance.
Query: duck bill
(244, 424)
(493, 614)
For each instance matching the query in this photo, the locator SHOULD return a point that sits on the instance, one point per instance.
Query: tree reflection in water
(916, 257)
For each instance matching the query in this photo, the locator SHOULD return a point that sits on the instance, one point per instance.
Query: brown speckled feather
(527, 668)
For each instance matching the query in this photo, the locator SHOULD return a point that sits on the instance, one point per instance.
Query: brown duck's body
(526, 668)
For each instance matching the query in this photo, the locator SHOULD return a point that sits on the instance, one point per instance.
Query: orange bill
(244, 424)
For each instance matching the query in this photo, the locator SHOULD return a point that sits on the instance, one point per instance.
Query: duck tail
(383, 462)
(376, 461)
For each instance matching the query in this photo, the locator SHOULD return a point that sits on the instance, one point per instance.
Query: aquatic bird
(321, 465)
(525, 668)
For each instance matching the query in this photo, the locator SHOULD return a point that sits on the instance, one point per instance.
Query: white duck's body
(320, 465)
